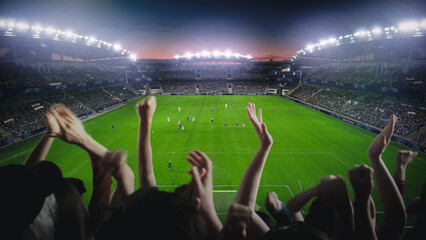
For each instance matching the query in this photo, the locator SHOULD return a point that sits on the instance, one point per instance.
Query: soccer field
(307, 145)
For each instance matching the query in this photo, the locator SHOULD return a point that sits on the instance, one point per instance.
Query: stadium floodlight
(407, 26)
(49, 30)
(10, 24)
(310, 47)
(68, 34)
(37, 28)
(323, 42)
(249, 57)
(117, 47)
(3, 23)
(176, 56)
(22, 26)
(133, 57)
(227, 54)
(188, 55)
(376, 31)
(205, 53)
(216, 53)
(423, 24)
(92, 39)
(331, 40)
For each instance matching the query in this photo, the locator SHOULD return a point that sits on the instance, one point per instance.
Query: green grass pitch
(307, 145)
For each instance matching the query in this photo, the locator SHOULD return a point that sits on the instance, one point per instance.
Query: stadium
(323, 107)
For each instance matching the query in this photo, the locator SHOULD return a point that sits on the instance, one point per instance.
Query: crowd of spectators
(70, 75)
(39, 202)
(13, 76)
(372, 110)
(23, 118)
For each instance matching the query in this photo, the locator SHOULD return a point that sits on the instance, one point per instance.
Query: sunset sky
(264, 28)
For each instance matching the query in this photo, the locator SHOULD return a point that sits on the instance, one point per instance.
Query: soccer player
(187, 119)
(179, 108)
(244, 125)
(193, 119)
(168, 119)
(212, 110)
(183, 128)
(170, 165)
(201, 103)
(178, 122)
(211, 119)
(173, 102)
(112, 127)
(226, 105)
(225, 125)
(237, 124)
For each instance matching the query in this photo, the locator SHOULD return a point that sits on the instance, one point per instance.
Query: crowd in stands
(372, 110)
(14, 76)
(370, 75)
(23, 118)
(39, 202)
(70, 75)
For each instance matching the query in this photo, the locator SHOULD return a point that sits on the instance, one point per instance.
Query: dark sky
(162, 29)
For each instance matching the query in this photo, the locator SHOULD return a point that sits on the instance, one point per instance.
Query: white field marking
(73, 171)
(290, 190)
(12, 157)
(338, 159)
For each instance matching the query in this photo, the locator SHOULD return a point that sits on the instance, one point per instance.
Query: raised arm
(393, 206)
(247, 192)
(115, 164)
(71, 130)
(296, 203)
(145, 110)
(361, 179)
(200, 189)
(42, 149)
(333, 193)
(403, 158)
(249, 185)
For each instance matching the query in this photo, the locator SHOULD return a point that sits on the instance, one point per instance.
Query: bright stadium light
(323, 42)
(22, 26)
(227, 54)
(3, 23)
(205, 54)
(216, 53)
(68, 34)
(407, 26)
(376, 30)
(423, 24)
(133, 57)
(117, 47)
(11, 24)
(249, 56)
(49, 30)
(37, 28)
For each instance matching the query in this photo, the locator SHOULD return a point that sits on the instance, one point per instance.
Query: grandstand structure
(361, 78)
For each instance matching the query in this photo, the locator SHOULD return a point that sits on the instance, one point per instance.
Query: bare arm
(200, 190)
(361, 179)
(249, 185)
(42, 149)
(145, 110)
(296, 203)
(115, 163)
(393, 206)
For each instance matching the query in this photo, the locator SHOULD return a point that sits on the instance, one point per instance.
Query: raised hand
(260, 127)
(404, 157)
(361, 179)
(52, 124)
(378, 146)
(146, 108)
(200, 189)
(113, 161)
(71, 128)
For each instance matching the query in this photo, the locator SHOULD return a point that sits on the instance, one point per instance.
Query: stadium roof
(23, 37)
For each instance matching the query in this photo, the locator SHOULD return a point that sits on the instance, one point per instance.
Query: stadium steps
(294, 89)
(132, 89)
